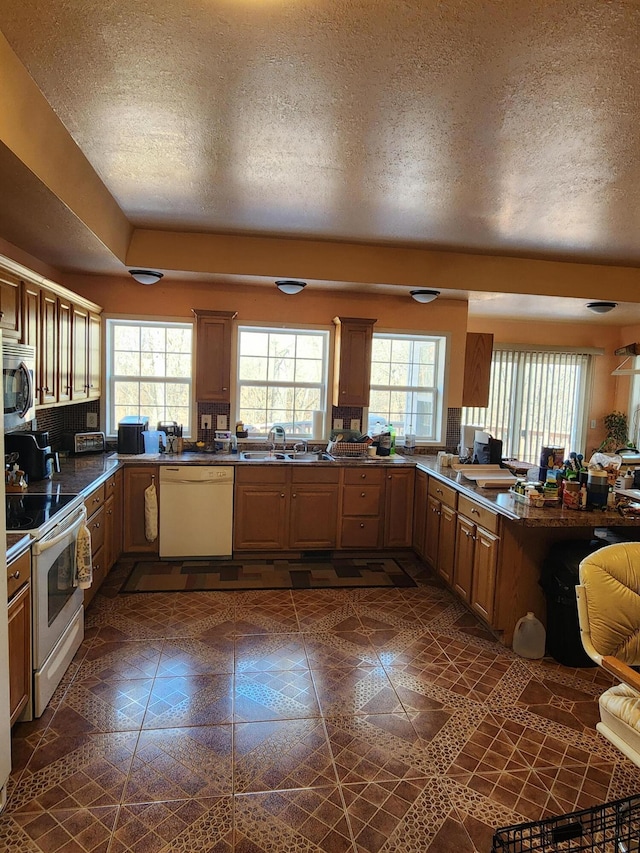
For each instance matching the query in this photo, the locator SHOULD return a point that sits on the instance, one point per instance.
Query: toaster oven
(84, 442)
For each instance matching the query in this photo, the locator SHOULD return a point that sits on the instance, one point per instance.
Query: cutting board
(496, 482)
(488, 476)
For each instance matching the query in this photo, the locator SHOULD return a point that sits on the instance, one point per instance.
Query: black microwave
(18, 387)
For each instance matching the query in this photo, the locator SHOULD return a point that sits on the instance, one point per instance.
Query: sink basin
(280, 456)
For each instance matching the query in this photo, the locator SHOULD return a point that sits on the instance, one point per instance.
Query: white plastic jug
(529, 637)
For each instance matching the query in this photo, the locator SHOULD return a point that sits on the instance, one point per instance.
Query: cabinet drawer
(442, 493)
(478, 514)
(261, 474)
(363, 475)
(95, 500)
(20, 567)
(361, 500)
(310, 474)
(96, 528)
(360, 533)
(111, 485)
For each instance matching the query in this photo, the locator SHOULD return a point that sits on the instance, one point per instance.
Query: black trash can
(558, 579)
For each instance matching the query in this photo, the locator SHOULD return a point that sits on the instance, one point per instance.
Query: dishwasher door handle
(196, 483)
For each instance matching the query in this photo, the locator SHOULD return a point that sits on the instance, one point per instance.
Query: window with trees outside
(407, 384)
(536, 399)
(282, 378)
(149, 372)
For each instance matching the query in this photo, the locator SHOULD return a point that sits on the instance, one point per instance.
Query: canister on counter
(597, 487)
(571, 494)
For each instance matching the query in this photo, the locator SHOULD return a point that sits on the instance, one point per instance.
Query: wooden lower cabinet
(420, 510)
(362, 505)
(476, 557)
(447, 543)
(95, 505)
(398, 501)
(280, 508)
(463, 566)
(440, 529)
(113, 518)
(137, 478)
(485, 567)
(19, 616)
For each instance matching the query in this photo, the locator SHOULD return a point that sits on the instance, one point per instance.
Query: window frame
(324, 385)
(443, 350)
(106, 407)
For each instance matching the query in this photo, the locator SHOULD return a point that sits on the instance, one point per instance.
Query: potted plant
(617, 427)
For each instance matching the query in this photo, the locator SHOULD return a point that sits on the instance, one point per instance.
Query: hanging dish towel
(151, 513)
(84, 567)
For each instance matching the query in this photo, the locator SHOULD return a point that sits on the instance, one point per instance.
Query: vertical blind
(536, 399)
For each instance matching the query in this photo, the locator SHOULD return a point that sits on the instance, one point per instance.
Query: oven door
(56, 598)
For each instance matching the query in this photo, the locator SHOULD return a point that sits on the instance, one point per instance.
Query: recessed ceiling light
(146, 276)
(601, 307)
(425, 295)
(290, 286)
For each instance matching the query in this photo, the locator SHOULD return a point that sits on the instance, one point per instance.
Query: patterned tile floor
(355, 721)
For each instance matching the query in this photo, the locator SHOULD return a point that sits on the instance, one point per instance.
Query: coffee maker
(130, 434)
(35, 456)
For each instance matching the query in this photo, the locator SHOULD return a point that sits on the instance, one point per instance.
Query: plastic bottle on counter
(529, 637)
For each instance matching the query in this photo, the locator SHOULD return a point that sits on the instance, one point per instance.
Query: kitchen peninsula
(482, 544)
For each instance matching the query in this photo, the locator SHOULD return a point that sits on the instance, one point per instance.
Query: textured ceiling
(490, 127)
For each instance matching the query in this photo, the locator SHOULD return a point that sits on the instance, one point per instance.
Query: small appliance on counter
(225, 440)
(77, 443)
(130, 434)
(35, 456)
(173, 433)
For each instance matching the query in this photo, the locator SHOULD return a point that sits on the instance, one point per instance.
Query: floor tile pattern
(311, 721)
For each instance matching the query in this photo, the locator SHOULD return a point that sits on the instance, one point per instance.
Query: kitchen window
(407, 383)
(536, 399)
(282, 378)
(149, 372)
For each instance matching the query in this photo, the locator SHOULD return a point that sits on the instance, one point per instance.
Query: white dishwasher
(196, 511)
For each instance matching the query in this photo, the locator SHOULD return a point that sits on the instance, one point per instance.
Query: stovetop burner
(29, 511)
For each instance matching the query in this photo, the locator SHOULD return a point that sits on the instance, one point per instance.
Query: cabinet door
(213, 355)
(432, 532)
(464, 553)
(136, 480)
(260, 517)
(30, 313)
(484, 573)
(94, 334)
(313, 516)
(477, 369)
(113, 519)
(447, 543)
(19, 613)
(398, 521)
(420, 512)
(352, 361)
(48, 353)
(64, 351)
(79, 337)
(10, 306)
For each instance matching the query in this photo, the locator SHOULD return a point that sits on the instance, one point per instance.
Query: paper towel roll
(317, 429)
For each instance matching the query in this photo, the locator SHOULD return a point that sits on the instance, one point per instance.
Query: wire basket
(610, 828)
(347, 448)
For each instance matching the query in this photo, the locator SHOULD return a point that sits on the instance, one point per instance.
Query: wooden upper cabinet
(30, 309)
(94, 336)
(64, 351)
(47, 391)
(352, 361)
(10, 320)
(213, 355)
(80, 362)
(477, 369)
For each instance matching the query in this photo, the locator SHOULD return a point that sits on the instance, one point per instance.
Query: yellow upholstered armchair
(609, 615)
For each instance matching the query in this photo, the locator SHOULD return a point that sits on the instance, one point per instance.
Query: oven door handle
(44, 545)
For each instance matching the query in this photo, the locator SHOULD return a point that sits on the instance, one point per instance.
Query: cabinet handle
(439, 492)
(294, 495)
(1, 315)
(388, 476)
(363, 476)
(363, 494)
(16, 574)
(96, 500)
(109, 512)
(224, 389)
(281, 494)
(475, 511)
(362, 524)
(96, 525)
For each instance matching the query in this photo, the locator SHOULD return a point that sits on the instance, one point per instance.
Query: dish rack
(347, 448)
(611, 827)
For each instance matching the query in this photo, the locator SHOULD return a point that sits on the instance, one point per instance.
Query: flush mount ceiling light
(290, 286)
(146, 276)
(601, 307)
(425, 295)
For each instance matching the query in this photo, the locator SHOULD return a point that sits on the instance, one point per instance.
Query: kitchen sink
(284, 456)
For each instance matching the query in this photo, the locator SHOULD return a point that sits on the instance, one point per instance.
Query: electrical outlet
(355, 424)
(205, 422)
(92, 420)
(221, 422)
(593, 424)
(338, 423)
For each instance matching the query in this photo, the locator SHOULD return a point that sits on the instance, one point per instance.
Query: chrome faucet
(301, 446)
(277, 433)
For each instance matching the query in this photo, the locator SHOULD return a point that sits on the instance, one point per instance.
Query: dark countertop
(17, 544)
(501, 501)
